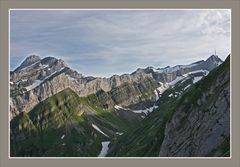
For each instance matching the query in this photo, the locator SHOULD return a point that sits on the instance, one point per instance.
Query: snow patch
(63, 136)
(187, 87)
(119, 107)
(177, 79)
(175, 68)
(105, 148)
(99, 130)
(170, 95)
(145, 111)
(196, 79)
(156, 94)
(163, 87)
(34, 85)
(197, 71)
(29, 66)
(119, 133)
(157, 70)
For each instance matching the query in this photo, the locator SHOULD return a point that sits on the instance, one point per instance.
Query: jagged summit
(53, 61)
(214, 58)
(213, 61)
(36, 62)
(29, 61)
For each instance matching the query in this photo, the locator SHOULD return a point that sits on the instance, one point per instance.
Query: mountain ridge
(39, 80)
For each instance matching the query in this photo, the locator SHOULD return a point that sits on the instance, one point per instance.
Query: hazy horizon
(106, 42)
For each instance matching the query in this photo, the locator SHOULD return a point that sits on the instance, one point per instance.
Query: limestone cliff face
(128, 94)
(25, 101)
(202, 128)
(37, 79)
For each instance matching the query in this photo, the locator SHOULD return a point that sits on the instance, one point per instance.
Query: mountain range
(172, 111)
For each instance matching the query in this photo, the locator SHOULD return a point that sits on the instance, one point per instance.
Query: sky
(107, 42)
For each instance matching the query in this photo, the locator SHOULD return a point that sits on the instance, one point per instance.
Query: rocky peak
(149, 69)
(29, 61)
(163, 68)
(214, 59)
(52, 61)
(212, 62)
(138, 71)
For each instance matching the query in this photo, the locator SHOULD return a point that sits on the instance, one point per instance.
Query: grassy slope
(39, 132)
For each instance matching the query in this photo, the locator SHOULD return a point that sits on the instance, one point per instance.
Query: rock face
(127, 94)
(203, 127)
(37, 79)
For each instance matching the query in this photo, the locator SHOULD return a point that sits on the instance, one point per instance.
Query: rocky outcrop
(35, 80)
(127, 94)
(200, 125)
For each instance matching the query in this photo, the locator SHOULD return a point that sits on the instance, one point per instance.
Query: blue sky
(107, 42)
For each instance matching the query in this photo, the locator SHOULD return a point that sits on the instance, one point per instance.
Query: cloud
(105, 42)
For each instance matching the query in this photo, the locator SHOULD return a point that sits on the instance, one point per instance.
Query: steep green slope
(147, 138)
(201, 124)
(62, 126)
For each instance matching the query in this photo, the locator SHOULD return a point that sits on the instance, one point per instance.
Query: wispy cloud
(102, 42)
